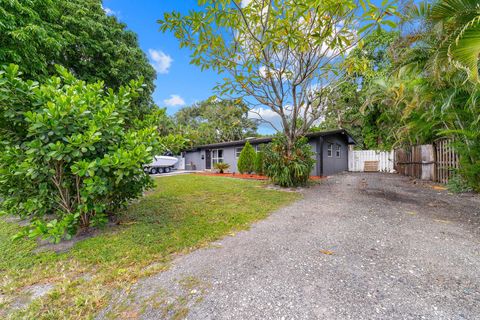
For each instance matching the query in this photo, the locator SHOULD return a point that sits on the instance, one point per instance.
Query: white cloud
(262, 113)
(245, 3)
(160, 60)
(110, 12)
(174, 101)
(269, 118)
(266, 116)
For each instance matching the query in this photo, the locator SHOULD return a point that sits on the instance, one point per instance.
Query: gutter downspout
(320, 155)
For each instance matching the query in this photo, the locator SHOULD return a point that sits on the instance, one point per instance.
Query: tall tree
(77, 34)
(282, 55)
(364, 64)
(216, 121)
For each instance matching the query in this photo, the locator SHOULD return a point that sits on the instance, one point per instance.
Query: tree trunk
(85, 221)
(291, 139)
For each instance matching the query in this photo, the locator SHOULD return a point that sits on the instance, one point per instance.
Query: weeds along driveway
(358, 246)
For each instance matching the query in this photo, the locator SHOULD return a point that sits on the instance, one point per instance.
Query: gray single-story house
(330, 148)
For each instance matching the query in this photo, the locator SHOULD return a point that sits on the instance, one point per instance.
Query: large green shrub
(246, 161)
(468, 150)
(68, 159)
(288, 166)
(260, 162)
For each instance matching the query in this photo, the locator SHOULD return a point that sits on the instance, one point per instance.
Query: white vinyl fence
(180, 165)
(356, 159)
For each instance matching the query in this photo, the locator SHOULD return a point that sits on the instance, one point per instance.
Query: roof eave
(269, 139)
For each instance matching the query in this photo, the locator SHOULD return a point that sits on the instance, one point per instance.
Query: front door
(208, 159)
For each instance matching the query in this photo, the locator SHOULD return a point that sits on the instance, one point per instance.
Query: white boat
(161, 164)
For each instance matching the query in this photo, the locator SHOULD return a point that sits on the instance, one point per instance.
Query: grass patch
(183, 212)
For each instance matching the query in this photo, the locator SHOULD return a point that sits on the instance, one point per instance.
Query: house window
(238, 151)
(217, 156)
(330, 150)
(337, 151)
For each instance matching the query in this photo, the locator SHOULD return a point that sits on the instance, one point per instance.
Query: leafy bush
(457, 184)
(467, 145)
(70, 156)
(260, 163)
(246, 161)
(221, 166)
(288, 167)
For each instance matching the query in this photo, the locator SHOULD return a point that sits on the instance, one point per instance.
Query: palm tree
(458, 24)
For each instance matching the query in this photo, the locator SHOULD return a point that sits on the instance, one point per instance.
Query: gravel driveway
(358, 246)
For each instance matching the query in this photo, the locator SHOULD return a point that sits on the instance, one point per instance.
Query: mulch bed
(245, 176)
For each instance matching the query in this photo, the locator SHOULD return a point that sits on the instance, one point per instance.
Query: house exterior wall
(334, 164)
(197, 158)
(194, 161)
(313, 146)
(229, 157)
(331, 165)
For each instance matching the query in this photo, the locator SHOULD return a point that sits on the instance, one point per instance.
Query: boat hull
(163, 162)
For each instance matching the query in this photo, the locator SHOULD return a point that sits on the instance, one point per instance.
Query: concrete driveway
(358, 246)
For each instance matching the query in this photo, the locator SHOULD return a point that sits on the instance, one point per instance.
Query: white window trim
(237, 155)
(330, 150)
(338, 150)
(217, 158)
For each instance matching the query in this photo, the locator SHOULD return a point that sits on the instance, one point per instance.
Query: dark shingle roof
(269, 139)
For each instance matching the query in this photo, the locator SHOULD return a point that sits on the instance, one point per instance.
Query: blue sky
(178, 83)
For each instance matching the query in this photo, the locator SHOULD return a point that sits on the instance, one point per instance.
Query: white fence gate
(356, 159)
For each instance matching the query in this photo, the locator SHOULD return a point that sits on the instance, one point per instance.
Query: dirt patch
(390, 195)
(66, 245)
(29, 294)
(17, 220)
(184, 293)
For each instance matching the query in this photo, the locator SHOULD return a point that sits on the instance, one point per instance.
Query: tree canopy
(214, 120)
(77, 34)
(347, 108)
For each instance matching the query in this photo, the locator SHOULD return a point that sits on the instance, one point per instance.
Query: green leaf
(465, 50)
(389, 23)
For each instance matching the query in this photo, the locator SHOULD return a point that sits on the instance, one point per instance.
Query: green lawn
(182, 213)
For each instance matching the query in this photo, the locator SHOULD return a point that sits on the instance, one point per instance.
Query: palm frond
(465, 50)
(459, 22)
